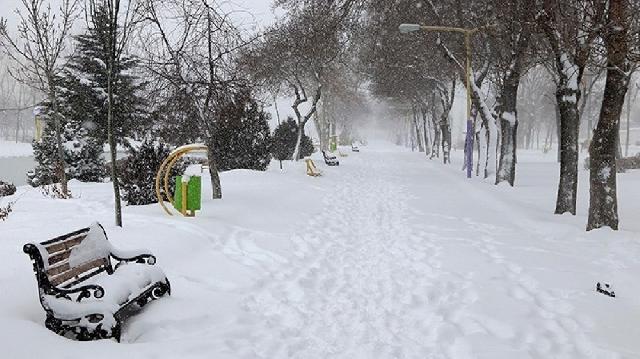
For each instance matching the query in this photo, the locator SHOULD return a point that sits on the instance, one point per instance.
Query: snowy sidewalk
(387, 256)
(396, 268)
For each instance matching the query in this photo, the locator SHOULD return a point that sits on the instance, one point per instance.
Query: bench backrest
(70, 259)
(328, 157)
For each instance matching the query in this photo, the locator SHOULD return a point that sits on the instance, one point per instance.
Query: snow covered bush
(284, 139)
(6, 210)
(242, 135)
(138, 172)
(82, 155)
(54, 191)
(7, 189)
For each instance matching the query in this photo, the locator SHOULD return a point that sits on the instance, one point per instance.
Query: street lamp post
(468, 33)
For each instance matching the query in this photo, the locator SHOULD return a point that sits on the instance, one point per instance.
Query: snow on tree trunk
(508, 117)
(435, 150)
(446, 141)
(482, 150)
(567, 94)
(603, 204)
(507, 165)
(490, 150)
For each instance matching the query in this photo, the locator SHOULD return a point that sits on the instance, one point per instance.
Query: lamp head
(407, 28)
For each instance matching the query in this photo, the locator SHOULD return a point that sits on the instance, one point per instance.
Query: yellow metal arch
(165, 170)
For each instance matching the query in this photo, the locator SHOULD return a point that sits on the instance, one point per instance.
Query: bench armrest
(85, 291)
(133, 256)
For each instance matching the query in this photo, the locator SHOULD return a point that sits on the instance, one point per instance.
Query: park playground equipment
(187, 199)
(312, 170)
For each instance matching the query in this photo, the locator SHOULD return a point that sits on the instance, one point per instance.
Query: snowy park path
(389, 270)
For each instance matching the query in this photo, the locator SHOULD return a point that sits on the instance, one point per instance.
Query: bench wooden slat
(59, 257)
(65, 245)
(77, 271)
(61, 268)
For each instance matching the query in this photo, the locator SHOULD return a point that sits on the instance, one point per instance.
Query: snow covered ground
(13, 149)
(387, 256)
(15, 160)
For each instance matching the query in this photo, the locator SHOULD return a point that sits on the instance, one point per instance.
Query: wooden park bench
(83, 295)
(330, 160)
(312, 170)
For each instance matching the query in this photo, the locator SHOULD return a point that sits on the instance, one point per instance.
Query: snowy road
(387, 256)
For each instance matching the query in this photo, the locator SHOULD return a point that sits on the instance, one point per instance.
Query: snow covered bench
(83, 295)
(330, 160)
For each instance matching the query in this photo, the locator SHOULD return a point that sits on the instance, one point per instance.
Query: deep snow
(13, 149)
(387, 256)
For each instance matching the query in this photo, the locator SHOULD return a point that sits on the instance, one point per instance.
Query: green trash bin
(194, 194)
(333, 145)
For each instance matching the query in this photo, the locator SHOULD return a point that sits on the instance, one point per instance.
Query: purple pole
(468, 147)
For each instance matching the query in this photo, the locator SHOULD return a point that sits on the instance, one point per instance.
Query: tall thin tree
(603, 205)
(38, 52)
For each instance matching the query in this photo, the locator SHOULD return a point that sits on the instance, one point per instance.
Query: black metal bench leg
(116, 332)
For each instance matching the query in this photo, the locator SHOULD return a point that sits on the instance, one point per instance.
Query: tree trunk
(446, 141)
(113, 148)
(508, 117)
(569, 129)
(275, 105)
(489, 146)
(626, 142)
(296, 151)
(603, 204)
(213, 170)
(558, 131)
(435, 150)
(417, 129)
(425, 132)
(61, 166)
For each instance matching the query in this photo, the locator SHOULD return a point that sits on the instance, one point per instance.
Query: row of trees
(563, 39)
(558, 51)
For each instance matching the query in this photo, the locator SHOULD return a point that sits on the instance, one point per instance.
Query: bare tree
(191, 49)
(514, 38)
(570, 28)
(296, 56)
(603, 205)
(38, 52)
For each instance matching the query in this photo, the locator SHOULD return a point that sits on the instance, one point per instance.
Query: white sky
(249, 14)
